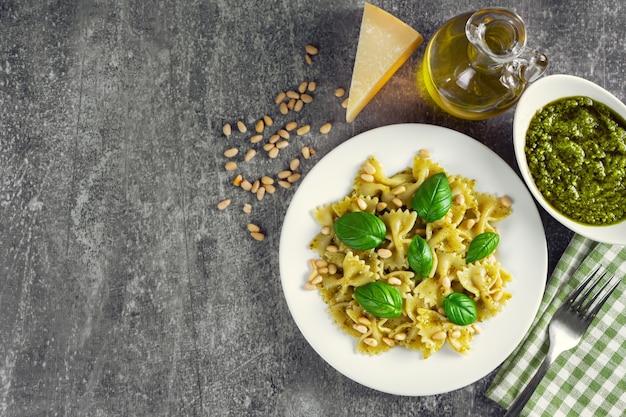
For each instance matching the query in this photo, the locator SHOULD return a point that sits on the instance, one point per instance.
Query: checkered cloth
(589, 380)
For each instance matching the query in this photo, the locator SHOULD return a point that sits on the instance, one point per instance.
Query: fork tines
(589, 303)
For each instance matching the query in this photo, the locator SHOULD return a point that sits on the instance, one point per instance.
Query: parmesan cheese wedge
(385, 43)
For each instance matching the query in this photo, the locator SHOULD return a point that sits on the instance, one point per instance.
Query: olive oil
(476, 65)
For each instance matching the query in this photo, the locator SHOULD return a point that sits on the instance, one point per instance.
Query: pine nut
(283, 108)
(397, 202)
(223, 204)
(340, 92)
(227, 129)
(361, 203)
(260, 193)
(318, 279)
(389, 342)
(398, 190)
(260, 126)
(280, 97)
(326, 230)
(284, 184)
(273, 153)
(332, 249)
(367, 177)
(283, 174)
(253, 227)
(293, 94)
(256, 138)
(230, 166)
(282, 144)
(445, 282)
(237, 180)
(255, 186)
(246, 185)
(291, 126)
(381, 206)
(306, 98)
(506, 202)
(307, 59)
(400, 336)
(332, 269)
(269, 146)
(247, 208)
(251, 153)
(309, 286)
(370, 341)
(258, 236)
(294, 177)
(424, 153)
(394, 281)
(455, 334)
(265, 180)
(268, 120)
(302, 87)
(325, 128)
(283, 134)
(468, 224)
(458, 199)
(321, 263)
(369, 168)
(312, 86)
(477, 328)
(384, 253)
(365, 321)
(306, 152)
(439, 336)
(294, 164)
(269, 188)
(229, 153)
(344, 103)
(311, 50)
(242, 127)
(274, 138)
(360, 328)
(291, 104)
(298, 106)
(303, 130)
(498, 296)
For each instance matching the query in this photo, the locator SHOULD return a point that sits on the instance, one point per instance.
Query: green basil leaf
(481, 246)
(360, 230)
(433, 198)
(460, 308)
(420, 257)
(379, 299)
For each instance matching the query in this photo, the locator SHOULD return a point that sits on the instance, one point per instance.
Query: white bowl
(539, 94)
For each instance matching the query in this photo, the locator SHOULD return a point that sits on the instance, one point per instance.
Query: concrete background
(124, 291)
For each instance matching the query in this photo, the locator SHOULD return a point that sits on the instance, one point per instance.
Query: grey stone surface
(124, 291)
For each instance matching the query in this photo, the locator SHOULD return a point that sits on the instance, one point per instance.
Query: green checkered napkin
(589, 380)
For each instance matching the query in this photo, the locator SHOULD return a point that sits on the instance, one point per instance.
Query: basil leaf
(360, 230)
(433, 198)
(420, 257)
(481, 246)
(379, 299)
(460, 308)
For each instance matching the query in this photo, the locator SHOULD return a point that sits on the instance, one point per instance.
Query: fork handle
(518, 405)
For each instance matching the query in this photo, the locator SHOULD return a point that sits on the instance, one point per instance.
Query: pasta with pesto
(423, 325)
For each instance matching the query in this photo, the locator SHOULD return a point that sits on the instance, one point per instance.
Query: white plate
(522, 251)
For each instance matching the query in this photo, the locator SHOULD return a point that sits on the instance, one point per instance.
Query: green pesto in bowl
(576, 153)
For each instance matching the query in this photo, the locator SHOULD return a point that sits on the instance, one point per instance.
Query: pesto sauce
(576, 152)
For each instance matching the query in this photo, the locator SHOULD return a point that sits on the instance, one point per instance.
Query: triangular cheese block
(385, 43)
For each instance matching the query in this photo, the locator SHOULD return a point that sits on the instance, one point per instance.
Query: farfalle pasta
(423, 325)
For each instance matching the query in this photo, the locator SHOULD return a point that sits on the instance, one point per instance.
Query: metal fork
(569, 324)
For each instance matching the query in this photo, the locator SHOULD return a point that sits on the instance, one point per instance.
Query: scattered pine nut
(260, 193)
(227, 129)
(268, 120)
(293, 94)
(445, 282)
(284, 184)
(280, 97)
(361, 203)
(283, 108)
(282, 144)
(269, 146)
(369, 168)
(310, 287)
(255, 186)
(274, 138)
(326, 230)
(424, 153)
(273, 153)
(265, 180)
(230, 166)
(381, 206)
(506, 201)
(283, 134)
(269, 188)
(307, 59)
(439, 336)
(294, 164)
(284, 174)
(247, 208)
(253, 227)
(256, 138)
(291, 126)
(251, 153)
(389, 342)
(400, 336)
(306, 98)
(394, 281)
(246, 185)
(302, 87)
(340, 92)
(242, 127)
(385, 253)
(291, 104)
(344, 103)
(258, 236)
(364, 320)
(298, 106)
(317, 280)
(260, 126)
(398, 190)
(367, 177)
(306, 152)
(312, 86)
(238, 180)
(325, 128)
(311, 49)
(332, 269)
(332, 249)
(455, 334)
(303, 130)
(397, 202)
(458, 199)
(294, 177)
(223, 204)
(229, 153)
(360, 328)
